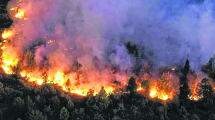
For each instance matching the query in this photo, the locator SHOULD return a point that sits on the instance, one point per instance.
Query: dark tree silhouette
(132, 85)
(184, 88)
(205, 90)
(209, 68)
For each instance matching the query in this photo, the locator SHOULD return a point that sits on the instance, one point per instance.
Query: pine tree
(184, 88)
(102, 99)
(36, 115)
(132, 85)
(64, 114)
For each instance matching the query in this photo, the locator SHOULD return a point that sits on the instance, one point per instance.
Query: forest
(21, 100)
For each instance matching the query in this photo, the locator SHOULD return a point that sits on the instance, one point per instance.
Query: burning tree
(30, 60)
(145, 84)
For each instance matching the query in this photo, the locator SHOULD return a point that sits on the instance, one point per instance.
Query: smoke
(172, 31)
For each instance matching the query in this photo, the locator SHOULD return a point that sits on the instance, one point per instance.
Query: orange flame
(20, 14)
(8, 63)
(153, 93)
(6, 34)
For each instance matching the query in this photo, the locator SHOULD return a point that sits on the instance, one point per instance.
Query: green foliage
(29, 105)
(64, 114)
(98, 116)
(117, 93)
(209, 68)
(194, 117)
(18, 103)
(36, 115)
(132, 85)
(55, 102)
(47, 89)
(102, 99)
(70, 105)
(1, 88)
(48, 111)
(205, 89)
(212, 116)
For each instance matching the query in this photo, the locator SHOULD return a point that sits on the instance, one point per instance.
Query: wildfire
(79, 92)
(8, 63)
(20, 14)
(37, 81)
(139, 89)
(59, 78)
(163, 96)
(160, 89)
(109, 90)
(6, 34)
(153, 93)
(194, 95)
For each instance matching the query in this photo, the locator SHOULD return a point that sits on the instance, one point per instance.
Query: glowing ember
(8, 63)
(194, 94)
(50, 41)
(194, 97)
(59, 79)
(39, 82)
(163, 96)
(12, 9)
(7, 69)
(23, 73)
(80, 92)
(6, 34)
(153, 93)
(3, 47)
(139, 89)
(109, 90)
(20, 14)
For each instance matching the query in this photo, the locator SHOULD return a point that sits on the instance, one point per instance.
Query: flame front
(153, 93)
(73, 79)
(20, 14)
(6, 34)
